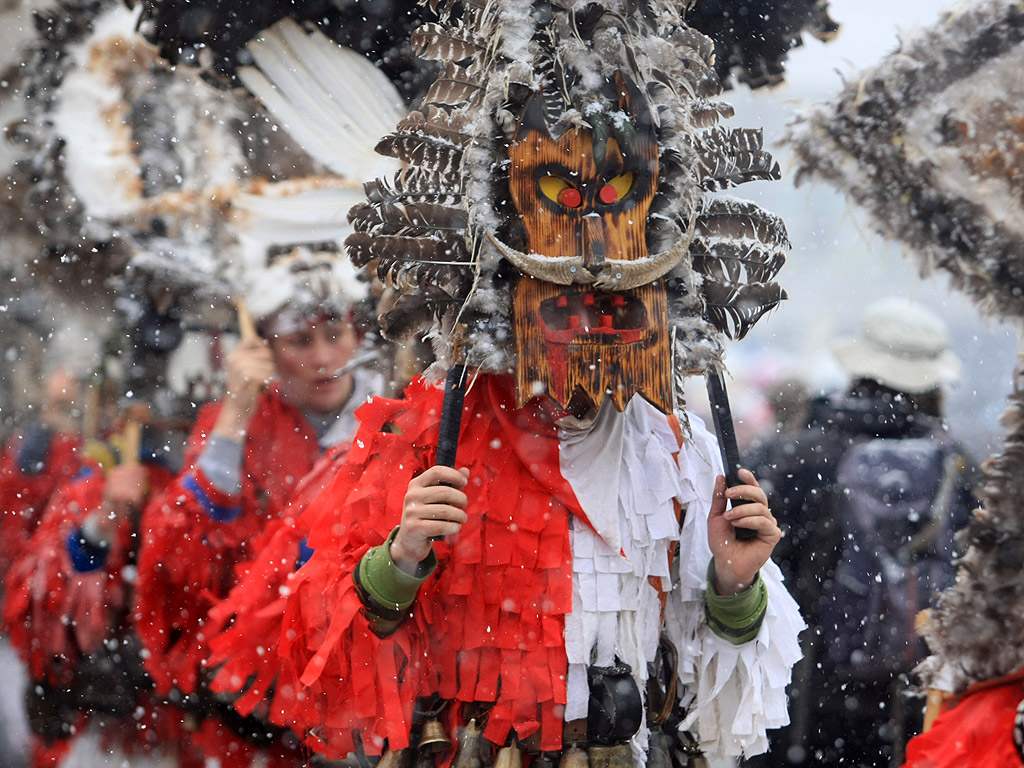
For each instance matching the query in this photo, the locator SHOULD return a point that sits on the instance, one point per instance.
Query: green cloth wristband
(386, 583)
(736, 618)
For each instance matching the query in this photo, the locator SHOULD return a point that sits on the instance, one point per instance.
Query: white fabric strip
(622, 469)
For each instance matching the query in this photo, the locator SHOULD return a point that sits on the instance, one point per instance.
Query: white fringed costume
(626, 475)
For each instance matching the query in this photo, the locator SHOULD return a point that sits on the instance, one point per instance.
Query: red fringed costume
(245, 627)
(975, 731)
(23, 497)
(495, 607)
(194, 535)
(52, 613)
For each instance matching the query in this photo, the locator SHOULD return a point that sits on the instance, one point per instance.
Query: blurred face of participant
(306, 360)
(60, 409)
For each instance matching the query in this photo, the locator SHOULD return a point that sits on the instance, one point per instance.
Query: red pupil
(570, 197)
(608, 194)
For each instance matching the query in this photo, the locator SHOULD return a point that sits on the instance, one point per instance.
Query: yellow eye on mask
(560, 191)
(616, 188)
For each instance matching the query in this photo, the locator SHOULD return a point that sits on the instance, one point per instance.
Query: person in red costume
(67, 611)
(488, 617)
(983, 728)
(286, 401)
(35, 462)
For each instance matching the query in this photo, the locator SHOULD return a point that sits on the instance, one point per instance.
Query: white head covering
(301, 282)
(901, 345)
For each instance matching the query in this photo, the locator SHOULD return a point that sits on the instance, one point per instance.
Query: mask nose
(592, 244)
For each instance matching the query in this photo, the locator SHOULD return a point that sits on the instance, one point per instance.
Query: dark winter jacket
(799, 470)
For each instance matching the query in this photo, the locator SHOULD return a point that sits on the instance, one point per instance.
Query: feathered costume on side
(929, 142)
(438, 229)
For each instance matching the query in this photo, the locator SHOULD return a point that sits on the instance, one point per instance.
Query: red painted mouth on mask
(595, 316)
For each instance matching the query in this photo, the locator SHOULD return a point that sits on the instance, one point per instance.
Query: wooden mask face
(587, 194)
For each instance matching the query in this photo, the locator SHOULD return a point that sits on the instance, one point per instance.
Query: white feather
(313, 215)
(332, 101)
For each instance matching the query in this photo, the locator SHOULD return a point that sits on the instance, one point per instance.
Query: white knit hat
(901, 345)
(305, 280)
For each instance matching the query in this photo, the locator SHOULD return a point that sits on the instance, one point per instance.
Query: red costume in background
(60, 606)
(24, 495)
(194, 535)
(975, 732)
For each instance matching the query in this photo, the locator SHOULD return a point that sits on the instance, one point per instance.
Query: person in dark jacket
(848, 703)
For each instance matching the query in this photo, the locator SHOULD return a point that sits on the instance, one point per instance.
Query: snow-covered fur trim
(627, 476)
(429, 227)
(974, 632)
(928, 143)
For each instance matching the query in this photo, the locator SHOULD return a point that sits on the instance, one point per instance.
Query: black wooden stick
(451, 420)
(451, 416)
(721, 415)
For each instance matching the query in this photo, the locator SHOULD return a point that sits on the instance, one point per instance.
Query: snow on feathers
(494, 58)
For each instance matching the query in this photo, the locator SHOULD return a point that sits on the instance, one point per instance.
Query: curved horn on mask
(615, 274)
(621, 275)
(561, 271)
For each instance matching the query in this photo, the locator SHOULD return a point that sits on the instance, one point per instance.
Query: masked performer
(555, 229)
(287, 401)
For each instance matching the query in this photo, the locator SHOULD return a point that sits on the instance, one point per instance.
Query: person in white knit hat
(871, 490)
(902, 346)
(290, 399)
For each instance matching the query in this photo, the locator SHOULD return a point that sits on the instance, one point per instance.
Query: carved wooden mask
(587, 194)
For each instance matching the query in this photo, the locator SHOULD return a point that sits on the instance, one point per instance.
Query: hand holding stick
(721, 415)
(434, 502)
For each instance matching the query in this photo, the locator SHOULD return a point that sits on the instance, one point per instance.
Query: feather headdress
(929, 143)
(150, 181)
(442, 228)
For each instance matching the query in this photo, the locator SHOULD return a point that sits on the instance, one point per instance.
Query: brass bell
(471, 740)
(615, 756)
(509, 757)
(433, 739)
(574, 757)
(396, 758)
